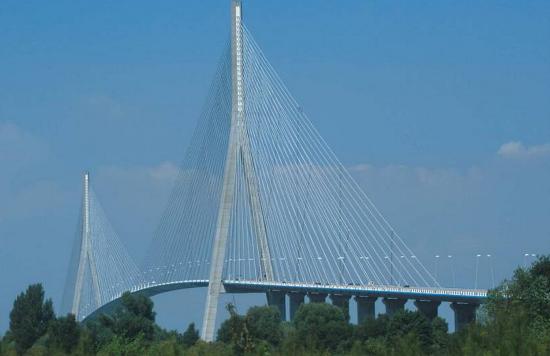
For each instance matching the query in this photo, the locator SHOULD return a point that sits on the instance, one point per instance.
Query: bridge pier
(277, 299)
(317, 297)
(295, 299)
(394, 305)
(465, 313)
(428, 308)
(342, 302)
(365, 308)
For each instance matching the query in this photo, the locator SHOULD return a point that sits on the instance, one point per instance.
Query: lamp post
(450, 257)
(435, 266)
(401, 278)
(477, 267)
(391, 271)
(492, 270)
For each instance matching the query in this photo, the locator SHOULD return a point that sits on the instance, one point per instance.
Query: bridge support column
(428, 308)
(342, 302)
(317, 297)
(365, 308)
(465, 313)
(295, 299)
(277, 299)
(394, 305)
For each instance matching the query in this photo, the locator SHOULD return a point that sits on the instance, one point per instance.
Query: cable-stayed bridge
(261, 204)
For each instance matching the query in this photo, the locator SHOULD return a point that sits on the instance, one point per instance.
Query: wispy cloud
(24, 155)
(19, 147)
(516, 149)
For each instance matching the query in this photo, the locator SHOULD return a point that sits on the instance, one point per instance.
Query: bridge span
(464, 302)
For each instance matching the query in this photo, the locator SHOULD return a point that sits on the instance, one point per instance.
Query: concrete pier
(295, 299)
(341, 301)
(277, 299)
(465, 313)
(317, 297)
(365, 308)
(394, 305)
(427, 307)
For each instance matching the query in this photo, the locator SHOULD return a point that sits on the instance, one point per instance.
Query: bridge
(261, 205)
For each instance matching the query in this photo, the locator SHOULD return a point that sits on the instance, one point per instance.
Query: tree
(30, 317)
(407, 322)
(372, 328)
(190, 336)
(264, 323)
(121, 346)
(321, 326)
(233, 331)
(516, 316)
(64, 333)
(527, 294)
(440, 335)
(133, 317)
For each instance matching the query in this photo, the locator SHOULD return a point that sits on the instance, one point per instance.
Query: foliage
(393, 334)
(233, 331)
(321, 326)
(30, 317)
(134, 317)
(190, 336)
(119, 346)
(259, 329)
(264, 323)
(517, 316)
(64, 333)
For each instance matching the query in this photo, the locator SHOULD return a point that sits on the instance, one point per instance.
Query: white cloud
(516, 149)
(434, 209)
(402, 175)
(134, 197)
(166, 171)
(40, 198)
(22, 155)
(18, 147)
(140, 178)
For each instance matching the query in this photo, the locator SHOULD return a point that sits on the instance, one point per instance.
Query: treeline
(514, 321)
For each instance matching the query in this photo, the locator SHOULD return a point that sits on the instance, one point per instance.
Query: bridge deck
(423, 293)
(472, 296)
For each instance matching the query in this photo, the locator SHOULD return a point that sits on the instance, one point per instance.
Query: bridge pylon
(100, 269)
(86, 260)
(238, 152)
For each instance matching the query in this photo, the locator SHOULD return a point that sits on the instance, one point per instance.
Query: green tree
(264, 323)
(64, 333)
(233, 331)
(372, 328)
(132, 318)
(86, 343)
(440, 336)
(30, 317)
(321, 326)
(407, 322)
(168, 347)
(373, 346)
(202, 348)
(516, 317)
(119, 346)
(190, 336)
(528, 290)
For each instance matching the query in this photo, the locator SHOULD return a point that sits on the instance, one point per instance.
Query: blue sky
(440, 110)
